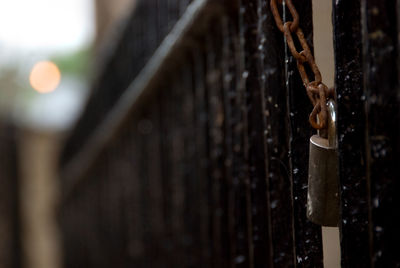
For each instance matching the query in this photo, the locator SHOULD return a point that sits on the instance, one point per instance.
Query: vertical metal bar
(277, 137)
(176, 179)
(351, 133)
(127, 172)
(162, 21)
(166, 140)
(229, 93)
(201, 140)
(245, 256)
(191, 198)
(216, 140)
(108, 211)
(256, 126)
(149, 128)
(381, 89)
(144, 192)
(307, 236)
(173, 13)
(110, 199)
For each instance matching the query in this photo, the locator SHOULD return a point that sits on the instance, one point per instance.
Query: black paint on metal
(381, 89)
(307, 236)
(277, 138)
(253, 62)
(216, 141)
(203, 161)
(201, 140)
(242, 254)
(351, 134)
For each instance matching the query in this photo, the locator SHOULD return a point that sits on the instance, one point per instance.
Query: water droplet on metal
(376, 202)
(240, 259)
(299, 259)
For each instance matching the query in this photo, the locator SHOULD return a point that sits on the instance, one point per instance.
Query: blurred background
(48, 50)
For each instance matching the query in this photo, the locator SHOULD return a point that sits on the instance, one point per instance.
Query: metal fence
(193, 148)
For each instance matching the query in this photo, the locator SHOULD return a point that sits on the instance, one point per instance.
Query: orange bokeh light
(45, 77)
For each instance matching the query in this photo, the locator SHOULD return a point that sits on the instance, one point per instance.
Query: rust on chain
(317, 92)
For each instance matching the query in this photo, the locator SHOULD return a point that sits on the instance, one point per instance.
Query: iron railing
(193, 148)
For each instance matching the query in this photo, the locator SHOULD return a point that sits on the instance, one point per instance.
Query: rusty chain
(317, 92)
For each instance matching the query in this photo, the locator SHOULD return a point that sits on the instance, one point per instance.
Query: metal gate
(193, 148)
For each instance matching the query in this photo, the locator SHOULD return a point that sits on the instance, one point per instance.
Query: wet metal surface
(203, 161)
(367, 81)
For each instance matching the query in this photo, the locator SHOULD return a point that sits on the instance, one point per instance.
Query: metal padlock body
(322, 196)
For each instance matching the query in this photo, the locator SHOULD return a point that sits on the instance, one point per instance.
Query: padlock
(323, 192)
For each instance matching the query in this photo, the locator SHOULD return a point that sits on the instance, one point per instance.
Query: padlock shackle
(332, 117)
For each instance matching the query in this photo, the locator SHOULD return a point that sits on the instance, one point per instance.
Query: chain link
(317, 92)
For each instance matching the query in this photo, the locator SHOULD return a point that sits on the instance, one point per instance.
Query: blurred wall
(108, 14)
(38, 154)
